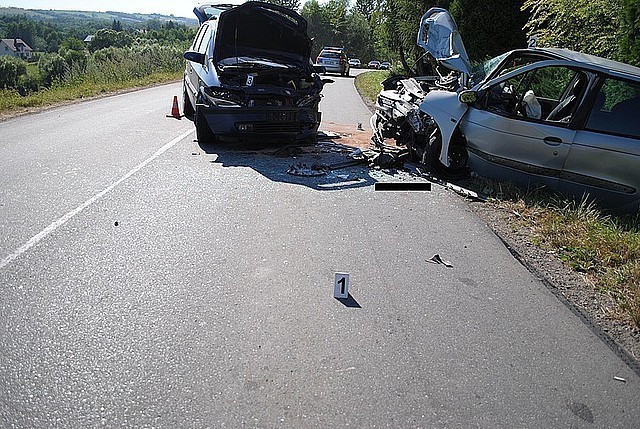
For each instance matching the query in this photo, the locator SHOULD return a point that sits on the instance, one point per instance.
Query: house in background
(16, 48)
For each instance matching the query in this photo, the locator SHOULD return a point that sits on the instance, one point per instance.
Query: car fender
(447, 112)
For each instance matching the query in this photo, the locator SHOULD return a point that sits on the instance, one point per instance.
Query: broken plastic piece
(624, 380)
(304, 170)
(436, 259)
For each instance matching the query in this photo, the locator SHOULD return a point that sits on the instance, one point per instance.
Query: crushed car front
(261, 82)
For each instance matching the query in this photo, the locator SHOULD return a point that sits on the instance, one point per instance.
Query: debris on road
(304, 170)
(624, 380)
(388, 160)
(436, 259)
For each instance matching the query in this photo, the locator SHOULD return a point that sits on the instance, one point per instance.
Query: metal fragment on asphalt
(436, 259)
(624, 380)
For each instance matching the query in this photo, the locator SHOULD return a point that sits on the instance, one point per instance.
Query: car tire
(203, 132)
(458, 157)
(187, 107)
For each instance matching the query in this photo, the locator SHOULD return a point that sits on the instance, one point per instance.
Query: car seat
(564, 109)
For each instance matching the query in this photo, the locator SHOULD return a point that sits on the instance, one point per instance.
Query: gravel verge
(576, 290)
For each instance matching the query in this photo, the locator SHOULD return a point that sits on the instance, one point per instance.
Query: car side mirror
(468, 97)
(195, 57)
(319, 69)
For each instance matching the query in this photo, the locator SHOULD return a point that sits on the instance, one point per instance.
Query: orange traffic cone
(175, 111)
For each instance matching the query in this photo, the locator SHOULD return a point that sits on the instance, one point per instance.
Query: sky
(173, 7)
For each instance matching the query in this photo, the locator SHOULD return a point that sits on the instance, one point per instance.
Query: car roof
(591, 61)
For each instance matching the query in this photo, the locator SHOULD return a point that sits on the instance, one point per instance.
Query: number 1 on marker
(341, 285)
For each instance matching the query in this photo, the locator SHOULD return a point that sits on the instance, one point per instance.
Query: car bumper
(332, 68)
(247, 123)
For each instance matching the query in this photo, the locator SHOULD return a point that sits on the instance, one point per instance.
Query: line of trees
(387, 29)
(368, 29)
(63, 56)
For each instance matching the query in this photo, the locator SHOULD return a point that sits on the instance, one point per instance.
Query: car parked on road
(355, 63)
(334, 60)
(374, 64)
(547, 116)
(385, 65)
(249, 75)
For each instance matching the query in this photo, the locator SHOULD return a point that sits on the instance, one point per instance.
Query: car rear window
(617, 108)
(330, 54)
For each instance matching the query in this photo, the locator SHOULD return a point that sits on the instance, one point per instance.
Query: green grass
(12, 102)
(368, 83)
(604, 247)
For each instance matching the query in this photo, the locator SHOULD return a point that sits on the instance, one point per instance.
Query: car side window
(616, 108)
(204, 41)
(550, 94)
(198, 39)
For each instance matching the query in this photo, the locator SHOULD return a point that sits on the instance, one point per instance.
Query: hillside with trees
(368, 29)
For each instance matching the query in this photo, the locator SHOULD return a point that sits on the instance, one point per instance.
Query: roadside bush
(10, 71)
(52, 67)
(28, 84)
(74, 57)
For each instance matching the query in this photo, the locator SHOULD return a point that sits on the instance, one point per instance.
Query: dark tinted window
(617, 108)
(327, 54)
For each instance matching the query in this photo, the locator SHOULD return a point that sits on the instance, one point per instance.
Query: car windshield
(253, 63)
(482, 70)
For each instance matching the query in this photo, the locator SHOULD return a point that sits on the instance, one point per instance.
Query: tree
(490, 27)
(116, 25)
(291, 4)
(366, 8)
(335, 24)
(629, 45)
(589, 26)
(106, 37)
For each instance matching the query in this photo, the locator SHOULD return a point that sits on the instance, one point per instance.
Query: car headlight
(223, 98)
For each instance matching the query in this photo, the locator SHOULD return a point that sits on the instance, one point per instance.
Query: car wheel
(203, 132)
(458, 157)
(187, 107)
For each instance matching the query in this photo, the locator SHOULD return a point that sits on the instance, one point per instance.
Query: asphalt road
(146, 281)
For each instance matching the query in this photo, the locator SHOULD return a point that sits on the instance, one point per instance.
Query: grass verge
(606, 248)
(11, 102)
(368, 83)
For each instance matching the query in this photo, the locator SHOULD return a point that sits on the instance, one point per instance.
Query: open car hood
(438, 35)
(263, 31)
(205, 12)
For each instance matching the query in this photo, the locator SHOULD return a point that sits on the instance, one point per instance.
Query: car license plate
(281, 116)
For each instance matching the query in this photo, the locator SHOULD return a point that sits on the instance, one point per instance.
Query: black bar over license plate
(281, 116)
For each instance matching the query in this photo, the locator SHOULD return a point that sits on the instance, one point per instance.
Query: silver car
(334, 60)
(548, 116)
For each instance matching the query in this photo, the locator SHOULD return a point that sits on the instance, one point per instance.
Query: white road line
(64, 219)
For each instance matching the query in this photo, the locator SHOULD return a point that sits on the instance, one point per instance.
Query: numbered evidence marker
(341, 286)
